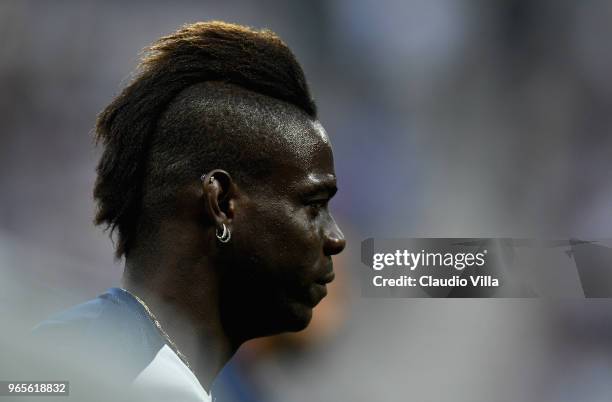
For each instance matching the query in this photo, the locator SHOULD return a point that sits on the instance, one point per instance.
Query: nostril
(335, 245)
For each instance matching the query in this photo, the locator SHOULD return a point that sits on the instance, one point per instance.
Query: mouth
(327, 278)
(318, 289)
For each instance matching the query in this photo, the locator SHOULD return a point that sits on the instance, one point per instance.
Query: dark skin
(211, 297)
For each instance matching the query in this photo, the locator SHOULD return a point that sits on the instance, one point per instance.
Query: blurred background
(450, 118)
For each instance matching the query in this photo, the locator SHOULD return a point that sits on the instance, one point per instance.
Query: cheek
(292, 234)
(279, 235)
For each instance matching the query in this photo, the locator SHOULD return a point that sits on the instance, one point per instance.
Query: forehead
(304, 140)
(305, 153)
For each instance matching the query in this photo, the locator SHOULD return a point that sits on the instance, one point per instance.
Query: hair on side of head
(256, 61)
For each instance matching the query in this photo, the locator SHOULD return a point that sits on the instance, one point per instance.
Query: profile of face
(278, 261)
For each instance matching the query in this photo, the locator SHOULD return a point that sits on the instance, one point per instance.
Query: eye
(317, 205)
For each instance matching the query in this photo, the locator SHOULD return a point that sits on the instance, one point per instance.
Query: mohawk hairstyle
(256, 61)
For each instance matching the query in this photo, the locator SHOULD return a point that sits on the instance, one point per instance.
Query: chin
(294, 319)
(300, 317)
(291, 318)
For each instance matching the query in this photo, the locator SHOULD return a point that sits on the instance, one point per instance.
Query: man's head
(231, 104)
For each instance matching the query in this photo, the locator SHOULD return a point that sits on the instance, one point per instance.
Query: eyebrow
(325, 186)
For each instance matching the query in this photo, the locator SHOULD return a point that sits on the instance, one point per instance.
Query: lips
(318, 289)
(327, 278)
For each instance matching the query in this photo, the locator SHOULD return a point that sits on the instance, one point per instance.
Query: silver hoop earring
(225, 236)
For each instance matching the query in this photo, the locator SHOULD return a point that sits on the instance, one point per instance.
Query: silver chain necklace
(161, 331)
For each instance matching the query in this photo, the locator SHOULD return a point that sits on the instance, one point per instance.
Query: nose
(334, 241)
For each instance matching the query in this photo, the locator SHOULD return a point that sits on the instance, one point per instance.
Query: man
(216, 176)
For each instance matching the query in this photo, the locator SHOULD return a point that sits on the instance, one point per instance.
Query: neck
(182, 294)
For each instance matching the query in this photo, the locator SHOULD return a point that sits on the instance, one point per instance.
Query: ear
(219, 193)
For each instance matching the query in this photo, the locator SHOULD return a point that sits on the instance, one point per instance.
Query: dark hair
(176, 117)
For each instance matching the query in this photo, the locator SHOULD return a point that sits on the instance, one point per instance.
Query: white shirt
(166, 379)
